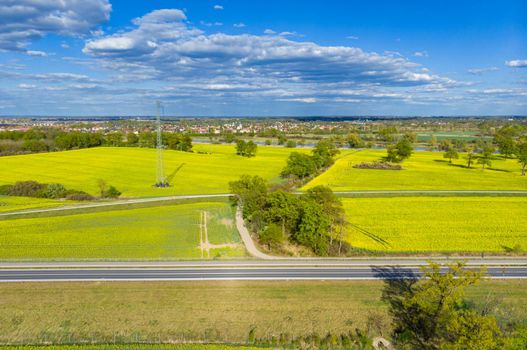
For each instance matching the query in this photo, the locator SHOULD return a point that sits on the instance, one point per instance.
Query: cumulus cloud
(218, 7)
(26, 20)
(516, 63)
(166, 45)
(239, 25)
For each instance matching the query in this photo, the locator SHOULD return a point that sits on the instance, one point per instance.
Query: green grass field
(133, 170)
(423, 171)
(426, 224)
(133, 347)
(165, 232)
(211, 310)
(8, 204)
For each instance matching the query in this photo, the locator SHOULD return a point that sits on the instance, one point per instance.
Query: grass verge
(210, 311)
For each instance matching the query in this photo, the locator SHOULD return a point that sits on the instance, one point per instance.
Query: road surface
(223, 273)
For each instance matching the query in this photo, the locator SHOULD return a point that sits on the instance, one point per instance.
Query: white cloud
(218, 7)
(480, 71)
(64, 46)
(35, 53)
(26, 20)
(303, 100)
(164, 45)
(516, 63)
(26, 86)
(421, 54)
(352, 37)
(239, 25)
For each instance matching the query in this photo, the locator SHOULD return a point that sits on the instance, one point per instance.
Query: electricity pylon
(161, 180)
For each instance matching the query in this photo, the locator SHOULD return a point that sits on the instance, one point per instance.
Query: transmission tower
(161, 181)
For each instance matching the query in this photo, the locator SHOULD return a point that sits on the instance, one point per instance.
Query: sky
(263, 58)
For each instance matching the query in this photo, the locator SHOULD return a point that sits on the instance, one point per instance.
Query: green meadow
(133, 170)
(423, 171)
(133, 347)
(165, 232)
(211, 310)
(437, 224)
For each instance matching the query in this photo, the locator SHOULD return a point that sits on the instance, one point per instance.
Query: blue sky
(247, 58)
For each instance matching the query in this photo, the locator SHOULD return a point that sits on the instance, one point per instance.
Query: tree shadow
(502, 170)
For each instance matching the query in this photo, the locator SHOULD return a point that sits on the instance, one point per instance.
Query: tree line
(35, 140)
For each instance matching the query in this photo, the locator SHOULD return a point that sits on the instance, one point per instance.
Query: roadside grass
(133, 347)
(437, 224)
(209, 311)
(423, 171)
(163, 232)
(132, 170)
(8, 203)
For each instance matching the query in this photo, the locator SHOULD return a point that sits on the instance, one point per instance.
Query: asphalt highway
(224, 273)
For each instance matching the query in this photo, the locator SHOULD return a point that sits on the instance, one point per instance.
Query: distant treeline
(35, 141)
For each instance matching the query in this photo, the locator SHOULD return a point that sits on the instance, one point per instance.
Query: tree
(272, 235)
(246, 149)
(290, 144)
(114, 139)
(132, 139)
(251, 194)
(521, 153)
(469, 157)
(282, 208)
(430, 314)
(354, 141)
(112, 192)
(313, 227)
(102, 187)
(400, 151)
(300, 165)
(332, 206)
(324, 152)
(451, 153)
(485, 158)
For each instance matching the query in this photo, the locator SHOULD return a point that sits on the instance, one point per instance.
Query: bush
(112, 192)
(5, 190)
(55, 191)
(27, 189)
(378, 166)
(79, 196)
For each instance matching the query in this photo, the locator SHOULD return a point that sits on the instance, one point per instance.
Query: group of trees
(56, 191)
(431, 313)
(315, 219)
(301, 165)
(40, 190)
(246, 149)
(35, 140)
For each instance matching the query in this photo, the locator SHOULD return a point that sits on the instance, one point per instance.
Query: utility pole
(160, 169)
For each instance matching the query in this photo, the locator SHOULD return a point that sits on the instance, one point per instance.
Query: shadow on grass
(502, 170)
(373, 236)
(173, 174)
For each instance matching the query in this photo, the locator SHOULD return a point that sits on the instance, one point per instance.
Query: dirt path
(204, 243)
(247, 239)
